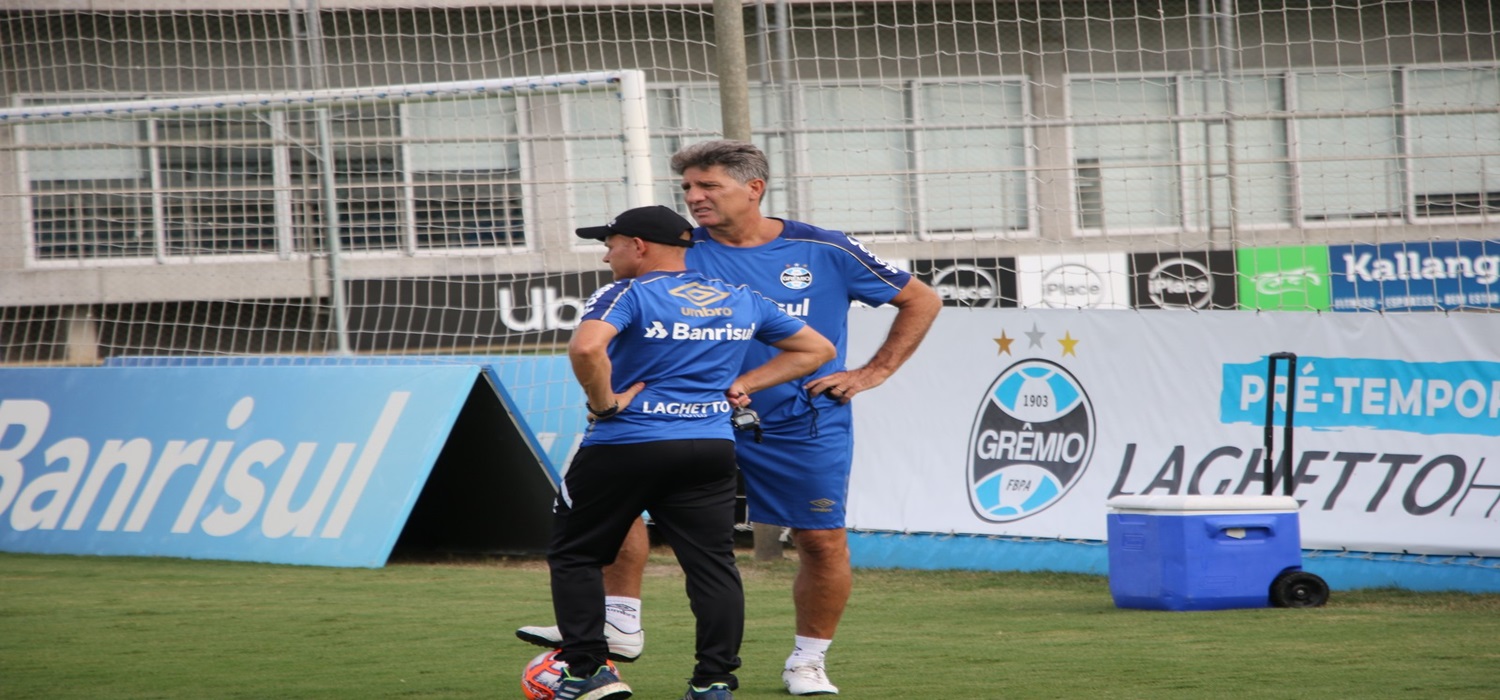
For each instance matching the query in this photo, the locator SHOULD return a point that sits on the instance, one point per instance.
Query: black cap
(657, 224)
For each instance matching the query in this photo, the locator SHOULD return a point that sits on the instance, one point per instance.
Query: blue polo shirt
(813, 274)
(686, 336)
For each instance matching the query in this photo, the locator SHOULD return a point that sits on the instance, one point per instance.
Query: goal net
(403, 177)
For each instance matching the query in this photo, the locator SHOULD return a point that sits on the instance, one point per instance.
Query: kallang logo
(1032, 440)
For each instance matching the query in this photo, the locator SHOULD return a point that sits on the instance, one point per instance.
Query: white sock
(808, 651)
(624, 613)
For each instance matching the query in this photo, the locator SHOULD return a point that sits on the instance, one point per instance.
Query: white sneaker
(808, 679)
(622, 646)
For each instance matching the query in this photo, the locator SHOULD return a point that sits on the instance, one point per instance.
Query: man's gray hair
(742, 160)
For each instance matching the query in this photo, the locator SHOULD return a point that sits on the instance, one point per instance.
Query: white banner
(1024, 422)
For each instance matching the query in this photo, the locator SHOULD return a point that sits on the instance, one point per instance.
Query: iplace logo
(1188, 280)
(1083, 281)
(976, 283)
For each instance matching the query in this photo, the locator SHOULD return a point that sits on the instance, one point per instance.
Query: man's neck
(664, 263)
(754, 231)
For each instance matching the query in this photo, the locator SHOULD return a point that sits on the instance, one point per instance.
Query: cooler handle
(1242, 523)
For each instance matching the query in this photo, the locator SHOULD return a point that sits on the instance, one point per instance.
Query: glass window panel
(1348, 163)
(217, 185)
(1127, 177)
(462, 135)
(767, 110)
(93, 163)
(466, 191)
(596, 158)
(473, 212)
(1455, 157)
(90, 202)
(368, 161)
(685, 114)
(71, 224)
(856, 176)
(972, 177)
(700, 109)
(1261, 171)
(367, 175)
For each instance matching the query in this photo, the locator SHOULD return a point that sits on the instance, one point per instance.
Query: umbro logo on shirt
(699, 294)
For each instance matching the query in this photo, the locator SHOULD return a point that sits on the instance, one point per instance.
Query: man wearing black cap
(658, 353)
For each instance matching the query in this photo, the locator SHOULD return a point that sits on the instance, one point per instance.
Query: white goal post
(635, 170)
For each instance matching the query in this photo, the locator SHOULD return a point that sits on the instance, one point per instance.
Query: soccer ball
(539, 680)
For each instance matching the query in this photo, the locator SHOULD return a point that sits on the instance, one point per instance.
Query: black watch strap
(606, 413)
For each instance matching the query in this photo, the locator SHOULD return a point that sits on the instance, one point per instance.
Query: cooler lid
(1199, 504)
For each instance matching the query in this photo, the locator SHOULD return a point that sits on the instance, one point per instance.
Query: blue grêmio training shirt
(685, 336)
(813, 274)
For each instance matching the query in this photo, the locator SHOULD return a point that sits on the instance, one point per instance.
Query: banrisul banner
(1025, 422)
(540, 388)
(1417, 276)
(297, 465)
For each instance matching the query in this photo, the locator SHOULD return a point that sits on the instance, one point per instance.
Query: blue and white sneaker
(603, 685)
(717, 691)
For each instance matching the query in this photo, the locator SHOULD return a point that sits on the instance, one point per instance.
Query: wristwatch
(595, 414)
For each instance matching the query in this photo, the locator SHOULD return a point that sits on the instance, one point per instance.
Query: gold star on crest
(1068, 343)
(1004, 343)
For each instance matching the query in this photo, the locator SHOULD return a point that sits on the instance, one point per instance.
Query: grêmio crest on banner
(441, 313)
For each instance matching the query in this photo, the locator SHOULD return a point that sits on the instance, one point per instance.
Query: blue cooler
(1200, 552)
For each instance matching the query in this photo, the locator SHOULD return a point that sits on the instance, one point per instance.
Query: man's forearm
(784, 367)
(588, 352)
(916, 308)
(800, 355)
(593, 373)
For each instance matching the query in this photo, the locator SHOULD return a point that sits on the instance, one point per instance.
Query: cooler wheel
(1299, 589)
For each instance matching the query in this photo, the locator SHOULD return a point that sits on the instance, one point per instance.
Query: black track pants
(689, 488)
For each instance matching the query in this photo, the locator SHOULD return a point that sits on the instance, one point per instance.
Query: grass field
(93, 627)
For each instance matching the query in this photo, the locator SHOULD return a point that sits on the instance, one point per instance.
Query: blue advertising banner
(1415, 276)
(286, 464)
(1333, 393)
(539, 389)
